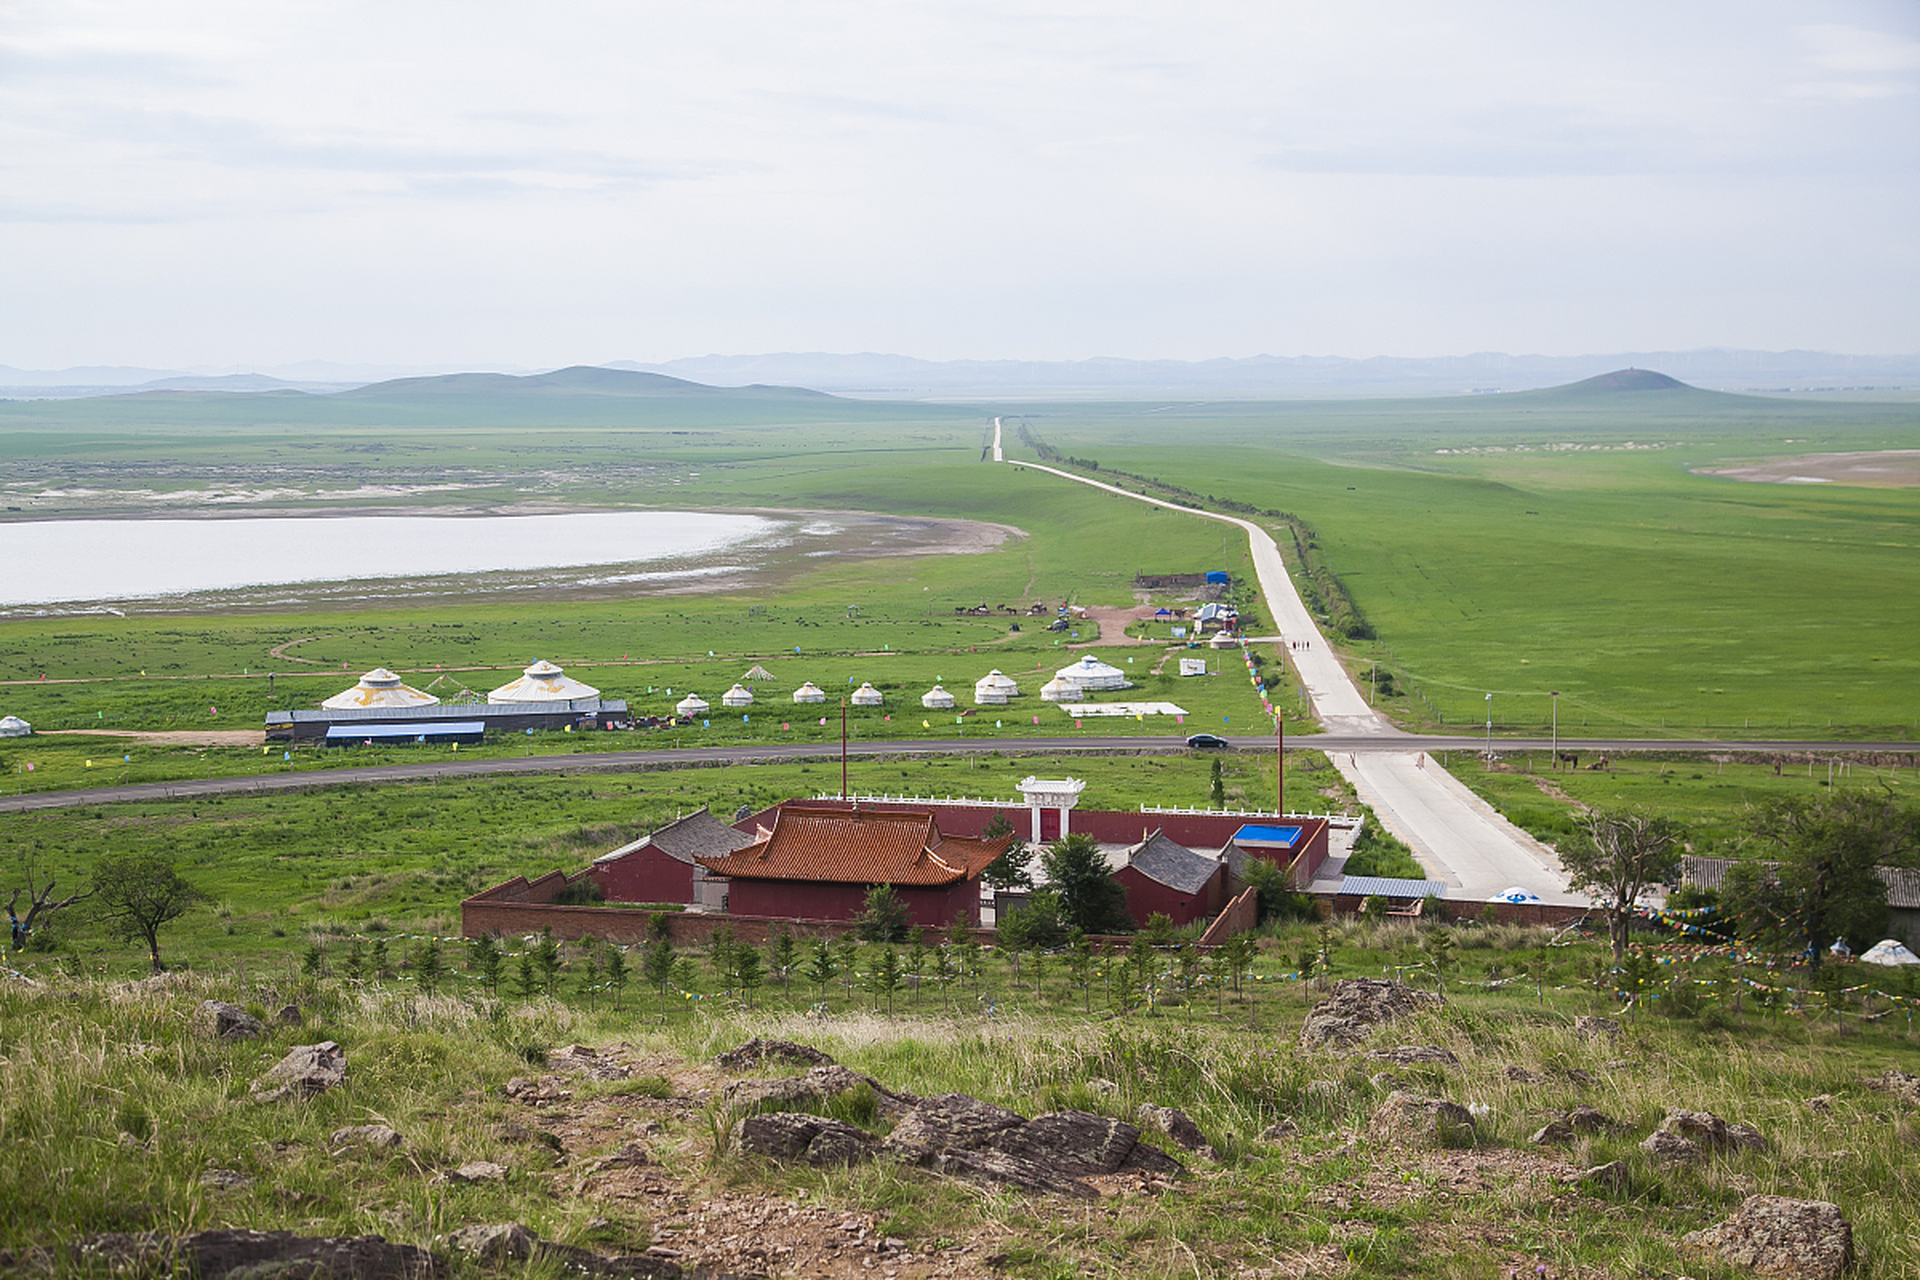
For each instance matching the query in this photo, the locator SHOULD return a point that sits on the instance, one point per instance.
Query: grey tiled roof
(1172, 864)
(1392, 887)
(1903, 885)
(699, 834)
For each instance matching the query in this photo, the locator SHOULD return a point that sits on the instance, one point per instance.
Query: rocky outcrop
(1410, 1055)
(1781, 1237)
(812, 1089)
(536, 1092)
(1709, 1132)
(500, 1242)
(787, 1135)
(365, 1135)
(223, 1021)
(308, 1070)
(1425, 1121)
(1355, 1007)
(247, 1255)
(757, 1052)
(1900, 1084)
(580, 1060)
(1585, 1028)
(1177, 1125)
(1664, 1144)
(476, 1171)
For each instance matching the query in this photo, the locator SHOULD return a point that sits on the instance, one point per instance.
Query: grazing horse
(1569, 758)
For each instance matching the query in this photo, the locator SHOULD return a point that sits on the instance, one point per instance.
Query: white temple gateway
(543, 682)
(379, 688)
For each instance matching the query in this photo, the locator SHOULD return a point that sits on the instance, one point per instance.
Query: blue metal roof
(1255, 834)
(1390, 887)
(428, 729)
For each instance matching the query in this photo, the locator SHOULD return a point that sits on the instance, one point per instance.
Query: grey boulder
(306, 1071)
(1784, 1238)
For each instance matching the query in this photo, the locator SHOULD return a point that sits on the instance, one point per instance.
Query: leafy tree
(1159, 929)
(1616, 856)
(1274, 892)
(749, 971)
(659, 925)
(590, 972)
(785, 953)
(821, 967)
(884, 918)
(1012, 869)
(657, 966)
(484, 961)
(720, 954)
(1217, 790)
(1091, 900)
(1826, 883)
(1080, 965)
(137, 893)
(428, 965)
(883, 979)
(525, 983)
(547, 959)
(616, 973)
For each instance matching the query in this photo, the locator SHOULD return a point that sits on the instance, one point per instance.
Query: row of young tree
(1810, 874)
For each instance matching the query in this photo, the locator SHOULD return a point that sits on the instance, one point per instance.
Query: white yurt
(937, 699)
(809, 692)
(543, 682)
(738, 696)
(1092, 674)
(691, 705)
(1061, 689)
(15, 727)
(379, 688)
(867, 696)
(1888, 951)
(994, 688)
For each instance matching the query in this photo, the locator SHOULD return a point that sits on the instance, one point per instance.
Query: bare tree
(1617, 857)
(41, 903)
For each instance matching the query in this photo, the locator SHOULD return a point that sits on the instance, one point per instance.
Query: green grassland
(1521, 544)
(340, 859)
(114, 1108)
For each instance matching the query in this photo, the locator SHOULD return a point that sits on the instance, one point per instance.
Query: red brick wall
(1145, 896)
(645, 875)
(933, 907)
(1242, 914)
(629, 928)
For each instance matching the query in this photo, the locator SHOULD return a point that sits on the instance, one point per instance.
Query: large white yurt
(379, 688)
(14, 727)
(1888, 951)
(809, 692)
(867, 696)
(937, 699)
(691, 705)
(738, 696)
(1092, 674)
(543, 682)
(1061, 689)
(994, 688)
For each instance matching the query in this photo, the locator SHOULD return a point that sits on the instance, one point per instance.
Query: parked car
(1209, 742)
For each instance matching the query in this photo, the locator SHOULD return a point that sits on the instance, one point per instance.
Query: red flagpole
(843, 748)
(1280, 770)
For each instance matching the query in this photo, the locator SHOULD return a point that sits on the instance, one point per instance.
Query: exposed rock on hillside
(1781, 1237)
(308, 1070)
(1355, 1007)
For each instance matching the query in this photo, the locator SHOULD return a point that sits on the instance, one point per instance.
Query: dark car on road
(1209, 742)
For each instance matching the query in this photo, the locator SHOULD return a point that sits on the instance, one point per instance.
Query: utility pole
(1373, 692)
(1280, 768)
(843, 746)
(1555, 695)
(1489, 728)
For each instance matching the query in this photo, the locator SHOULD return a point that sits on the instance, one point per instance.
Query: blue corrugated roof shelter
(422, 731)
(1391, 887)
(1256, 836)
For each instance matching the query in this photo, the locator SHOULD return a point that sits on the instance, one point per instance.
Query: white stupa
(1061, 689)
(994, 688)
(937, 699)
(867, 696)
(14, 727)
(543, 682)
(809, 692)
(691, 705)
(1888, 951)
(1092, 674)
(379, 688)
(738, 696)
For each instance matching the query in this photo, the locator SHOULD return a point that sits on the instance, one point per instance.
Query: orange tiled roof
(857, 847)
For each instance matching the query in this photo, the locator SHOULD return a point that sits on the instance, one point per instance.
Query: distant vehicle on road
(1209, 742)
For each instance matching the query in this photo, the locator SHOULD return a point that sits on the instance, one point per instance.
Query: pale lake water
(76, 561)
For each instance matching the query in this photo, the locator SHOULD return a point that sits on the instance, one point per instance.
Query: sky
(477, 184)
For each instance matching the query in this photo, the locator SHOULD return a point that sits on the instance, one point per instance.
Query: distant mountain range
(902, 377)
(891, 377)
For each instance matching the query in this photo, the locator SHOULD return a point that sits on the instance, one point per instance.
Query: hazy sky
(208, 183)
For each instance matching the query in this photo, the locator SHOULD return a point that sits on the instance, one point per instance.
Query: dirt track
(175, 738)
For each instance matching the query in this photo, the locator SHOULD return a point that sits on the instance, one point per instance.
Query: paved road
(1335, 745)
(1456, 836)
